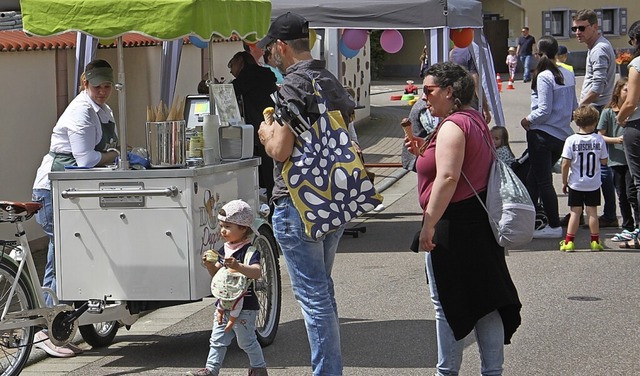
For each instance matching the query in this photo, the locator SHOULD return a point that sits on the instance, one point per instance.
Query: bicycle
(24, 310)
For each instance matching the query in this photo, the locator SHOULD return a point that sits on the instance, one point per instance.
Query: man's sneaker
(567, 247)
(199, 372)
(548, 232)
(596, 246)
(41, 340)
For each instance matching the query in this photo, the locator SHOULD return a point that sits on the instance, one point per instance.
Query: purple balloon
(391, 41)
(346, 51)
(355, 39)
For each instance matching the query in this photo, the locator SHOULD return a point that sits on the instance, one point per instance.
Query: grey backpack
(511, 212)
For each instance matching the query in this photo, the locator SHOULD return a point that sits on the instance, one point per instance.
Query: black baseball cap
(288, 26)
(562, 50)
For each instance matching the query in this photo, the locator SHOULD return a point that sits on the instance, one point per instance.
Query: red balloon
(461, 38)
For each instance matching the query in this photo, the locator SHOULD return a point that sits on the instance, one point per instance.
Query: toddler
(512, 63)
(236, 226)
(582, 156)
(500, 138)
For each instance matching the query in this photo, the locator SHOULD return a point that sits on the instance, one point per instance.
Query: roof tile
(17, 40)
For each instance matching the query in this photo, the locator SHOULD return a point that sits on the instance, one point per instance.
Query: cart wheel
(268, 288)
(15, 344)
(100, 334)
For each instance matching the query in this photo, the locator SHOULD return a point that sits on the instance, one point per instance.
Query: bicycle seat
(20, 207)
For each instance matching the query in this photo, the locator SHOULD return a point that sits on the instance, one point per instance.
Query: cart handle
(74, 193)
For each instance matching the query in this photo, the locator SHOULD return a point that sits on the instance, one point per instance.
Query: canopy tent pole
(86, 47)
(170, 63)
(122, 108)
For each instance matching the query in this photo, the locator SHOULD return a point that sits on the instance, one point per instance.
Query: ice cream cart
(131, 240)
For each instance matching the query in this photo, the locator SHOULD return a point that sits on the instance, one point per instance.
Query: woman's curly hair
(451, 74)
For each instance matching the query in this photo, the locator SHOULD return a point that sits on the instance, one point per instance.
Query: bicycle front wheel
(268, 287)
(15, 344)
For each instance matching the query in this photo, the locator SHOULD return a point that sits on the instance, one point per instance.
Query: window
(556, 22)
(608, 23)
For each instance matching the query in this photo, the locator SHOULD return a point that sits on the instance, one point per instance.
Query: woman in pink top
(469, 281)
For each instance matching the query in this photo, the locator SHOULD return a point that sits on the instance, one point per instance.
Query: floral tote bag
(327, 182)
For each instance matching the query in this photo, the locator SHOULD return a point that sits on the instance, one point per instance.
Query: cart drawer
(96, 194)
(134, 254)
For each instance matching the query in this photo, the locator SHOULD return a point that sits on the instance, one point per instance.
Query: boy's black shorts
(580, 198)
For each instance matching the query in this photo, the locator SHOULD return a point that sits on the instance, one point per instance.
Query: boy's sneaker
(596, 246)
(548, 232)
(567, 247)
(199, 372)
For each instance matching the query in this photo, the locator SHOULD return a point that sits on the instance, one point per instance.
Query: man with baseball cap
(309, 261)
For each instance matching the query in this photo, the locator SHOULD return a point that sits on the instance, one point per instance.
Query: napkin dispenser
(236, 142)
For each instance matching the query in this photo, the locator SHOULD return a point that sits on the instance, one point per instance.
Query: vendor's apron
(109, 140)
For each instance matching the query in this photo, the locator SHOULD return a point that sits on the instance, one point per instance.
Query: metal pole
(122, 108)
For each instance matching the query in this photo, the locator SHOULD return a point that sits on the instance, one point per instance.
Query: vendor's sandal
(630, 244)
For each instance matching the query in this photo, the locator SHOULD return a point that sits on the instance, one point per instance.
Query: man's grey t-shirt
(600, 76)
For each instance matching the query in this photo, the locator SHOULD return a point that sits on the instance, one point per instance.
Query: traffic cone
(499, 82)
(510, 86)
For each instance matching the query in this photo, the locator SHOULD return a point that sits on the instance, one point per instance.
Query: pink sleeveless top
(477, 158)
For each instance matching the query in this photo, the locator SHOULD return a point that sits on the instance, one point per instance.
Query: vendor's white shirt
(77, 132)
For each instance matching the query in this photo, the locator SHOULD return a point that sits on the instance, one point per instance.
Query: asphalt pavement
(580, 310)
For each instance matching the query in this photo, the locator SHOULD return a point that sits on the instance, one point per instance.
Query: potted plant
(623, 58)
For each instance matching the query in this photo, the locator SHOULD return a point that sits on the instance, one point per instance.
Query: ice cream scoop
(267, 113)
(406, 127)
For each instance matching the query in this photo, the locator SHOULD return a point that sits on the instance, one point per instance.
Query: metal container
(166, 143)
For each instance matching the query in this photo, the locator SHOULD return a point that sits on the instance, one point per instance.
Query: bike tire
(269, 287)
(15, 344)
(100, 334)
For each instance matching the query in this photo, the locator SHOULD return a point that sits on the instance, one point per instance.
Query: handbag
(327, 182)
(510, 209)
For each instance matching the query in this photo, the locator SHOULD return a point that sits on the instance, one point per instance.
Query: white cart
(131, 240)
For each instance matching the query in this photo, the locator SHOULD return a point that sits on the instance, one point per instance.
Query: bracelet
(114, 149)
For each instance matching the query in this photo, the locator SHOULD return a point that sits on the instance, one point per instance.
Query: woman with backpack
(470, 285)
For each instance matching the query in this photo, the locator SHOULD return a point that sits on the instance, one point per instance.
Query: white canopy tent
(436, 17)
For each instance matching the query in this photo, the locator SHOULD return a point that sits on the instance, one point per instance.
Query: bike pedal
(95, 306)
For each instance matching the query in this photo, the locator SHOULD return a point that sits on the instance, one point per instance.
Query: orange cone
(498, 78)
(510, 86)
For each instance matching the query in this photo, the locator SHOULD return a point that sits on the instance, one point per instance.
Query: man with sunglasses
(526, 49)
(309, 261)
(600, 75)
(597, 88)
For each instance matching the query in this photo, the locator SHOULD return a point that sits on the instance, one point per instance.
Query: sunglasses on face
(581, 28)
(428, 89)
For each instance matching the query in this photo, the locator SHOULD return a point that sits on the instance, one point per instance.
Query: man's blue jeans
(489, 332)
(309, 263)
(526, 66)
(44, 217)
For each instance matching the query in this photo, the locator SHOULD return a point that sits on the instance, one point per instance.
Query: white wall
(28, 105)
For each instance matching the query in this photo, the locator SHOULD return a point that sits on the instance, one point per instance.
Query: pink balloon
(354, 39)
(391, 41)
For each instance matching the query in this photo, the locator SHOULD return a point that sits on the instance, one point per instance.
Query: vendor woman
(85, 136)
